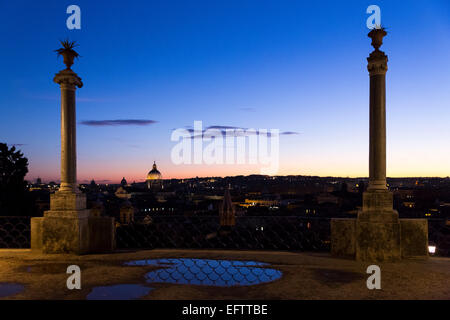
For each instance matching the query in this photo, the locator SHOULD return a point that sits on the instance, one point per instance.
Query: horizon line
(262, 175)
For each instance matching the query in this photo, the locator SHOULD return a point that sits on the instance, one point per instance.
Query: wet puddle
(119, 292)
(220, 273)
(10, 289)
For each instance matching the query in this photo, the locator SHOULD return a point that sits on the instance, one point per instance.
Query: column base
(377, 185)
(67, 201)
(377, 241)
(69, 227)
(378, 234)
(73, 235)
(378, 204)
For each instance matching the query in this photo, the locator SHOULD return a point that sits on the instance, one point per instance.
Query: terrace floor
(305, 276)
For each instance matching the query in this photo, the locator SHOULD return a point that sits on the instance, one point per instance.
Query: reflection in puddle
(119, 292)
(9, 289)
(222, 273)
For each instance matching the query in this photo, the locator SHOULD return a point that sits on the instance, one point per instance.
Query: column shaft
(377, 68)
(377, 149)
(68, 138)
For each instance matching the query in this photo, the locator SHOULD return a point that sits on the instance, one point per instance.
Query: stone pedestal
(69, 227)
(343, 239)
(377, 242)
(414, 237)
(378, 234)
(378, 228)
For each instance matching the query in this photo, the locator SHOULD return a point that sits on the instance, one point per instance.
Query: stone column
(378, 234)
(68, 81)
(378, 227)
(69, 227)
(68, 198)
(377, 200)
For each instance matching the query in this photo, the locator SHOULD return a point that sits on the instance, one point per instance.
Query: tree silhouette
(13, 191)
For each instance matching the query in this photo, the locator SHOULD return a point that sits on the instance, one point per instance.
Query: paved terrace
(305, 276)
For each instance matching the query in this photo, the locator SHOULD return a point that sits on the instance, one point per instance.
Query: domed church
(154, 178)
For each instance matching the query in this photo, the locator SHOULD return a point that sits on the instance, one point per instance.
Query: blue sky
(296, 66)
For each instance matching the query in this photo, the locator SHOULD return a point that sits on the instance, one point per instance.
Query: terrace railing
(204, 232)
(15, 232)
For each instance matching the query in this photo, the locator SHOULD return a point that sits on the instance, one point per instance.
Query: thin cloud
(231, 131)
(125, 122)
(225, 127)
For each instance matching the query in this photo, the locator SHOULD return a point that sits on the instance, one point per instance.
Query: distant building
(123, 183)
(122, 193)
(327, 198)
(154, 179)
(259, 202)
(126, 213)
(409, 204)
(147, 220)
(97, 208)
(227, 212)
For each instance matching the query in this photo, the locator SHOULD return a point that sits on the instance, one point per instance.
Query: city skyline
(206, 62)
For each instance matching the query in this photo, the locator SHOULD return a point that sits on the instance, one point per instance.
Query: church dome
(154, 174)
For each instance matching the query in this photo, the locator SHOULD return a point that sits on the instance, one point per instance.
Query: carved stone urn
(377, 36)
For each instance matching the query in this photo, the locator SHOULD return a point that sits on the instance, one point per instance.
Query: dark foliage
(14, 197)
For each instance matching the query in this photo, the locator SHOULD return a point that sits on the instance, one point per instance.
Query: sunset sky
(297, 66)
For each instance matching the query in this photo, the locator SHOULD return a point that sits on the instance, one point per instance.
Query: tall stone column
(68, 198)
(377, 200)
(68, 226)
(378, 234)
(378, 227)
(68, 81)
(377, 66)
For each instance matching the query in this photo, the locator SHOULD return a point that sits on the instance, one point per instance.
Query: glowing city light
(432, 249)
